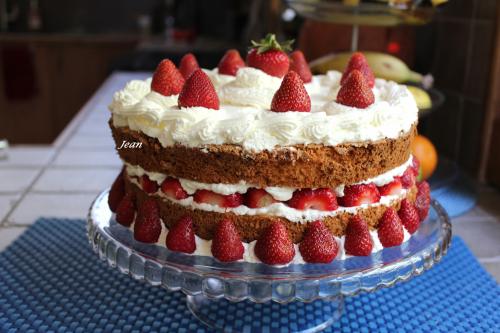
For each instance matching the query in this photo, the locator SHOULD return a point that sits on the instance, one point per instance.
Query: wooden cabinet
(60, 74)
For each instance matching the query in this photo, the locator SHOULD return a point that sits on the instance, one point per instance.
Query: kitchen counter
(62, 179)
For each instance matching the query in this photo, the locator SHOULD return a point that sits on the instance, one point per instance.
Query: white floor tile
(27, 156)
(16, 180)
(75, 180)
(482, 237)
(494, 269)
(36, 205)
(69, 157)
(6, 204)
(9, 235)
(96, 142)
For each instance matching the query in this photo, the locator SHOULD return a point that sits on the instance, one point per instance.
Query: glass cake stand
(253, 297)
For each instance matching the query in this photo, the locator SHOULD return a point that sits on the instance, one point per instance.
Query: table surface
(62, 179)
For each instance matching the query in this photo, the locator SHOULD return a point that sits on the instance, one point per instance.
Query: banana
(384, 66)
(421, 97)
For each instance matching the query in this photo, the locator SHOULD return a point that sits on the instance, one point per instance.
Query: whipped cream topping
(244, 117)
(204, 247)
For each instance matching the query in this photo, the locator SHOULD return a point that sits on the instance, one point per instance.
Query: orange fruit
(423, 149)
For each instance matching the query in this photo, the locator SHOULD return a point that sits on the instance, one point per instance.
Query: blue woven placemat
(51, 281)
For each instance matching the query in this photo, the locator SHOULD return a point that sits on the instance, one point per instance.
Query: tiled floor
(62, 180)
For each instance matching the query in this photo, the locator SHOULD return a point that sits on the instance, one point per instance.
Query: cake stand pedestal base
(250, 317)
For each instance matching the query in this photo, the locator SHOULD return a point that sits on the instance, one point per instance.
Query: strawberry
(359, 194)
(257, 198)
(226, 244)
(172, 188)
(167, 80)
(415, 165)
(180, 237)
(199, 91)
(269, 56)
(188, 65)
(423, 201)
(319, 199)
(148, 185)
(408, 178)
(230, 63)
(299, 64)
(274, 247)
(291, 95)
(355, 91)
(393, 188)
(358, 241)
(390, 230)
(147, 227)
(116, 192)
(221, 200)
(409, 216)
(125, 212)
(358, 62)
(318, 244)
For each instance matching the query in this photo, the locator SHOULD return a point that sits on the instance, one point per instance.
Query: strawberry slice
(409, 216)
(359, 194)
(125, 212)
(148, 185)
(408, 178)
(188, 65)
(291, 95)
(393, 188)
(358, 241)
(359, 62)
(274, 247)
(180, 237)
(199, 91)
(269, 56)
(221, 200)
(299, 64)
(423, 201)
(230, 63)
(147, 226)
(116, 192)
(226, 244)
(167, 80)
(356, 92)
(257, 198)
(172, 188)
(320, 199)
(318, 244)
(390, 230)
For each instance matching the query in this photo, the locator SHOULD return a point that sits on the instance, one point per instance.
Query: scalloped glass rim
(259, 282)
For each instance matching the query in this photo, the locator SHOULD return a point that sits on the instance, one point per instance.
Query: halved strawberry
(180, 237)
(318, 244)
(359, 194)
(172, 188)
(393, 188)
(358, 241)
(116, 192)
(291, 95)
(274, 246)
(409, 216)
(257, 198)
(423, 201)
(226, 244)
(125, 212)
(269, 56)
(408, 178)
(415, 165)
(230, 63)
(359, 62)
(319, 199)
(167, 80)
(147, 226)
(299, 64)
(355, 92)
(390, 230)
(188, 65)
(198, 91)
(221, 200)
(148, 185)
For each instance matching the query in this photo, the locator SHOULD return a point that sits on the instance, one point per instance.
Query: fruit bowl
(212, 287)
